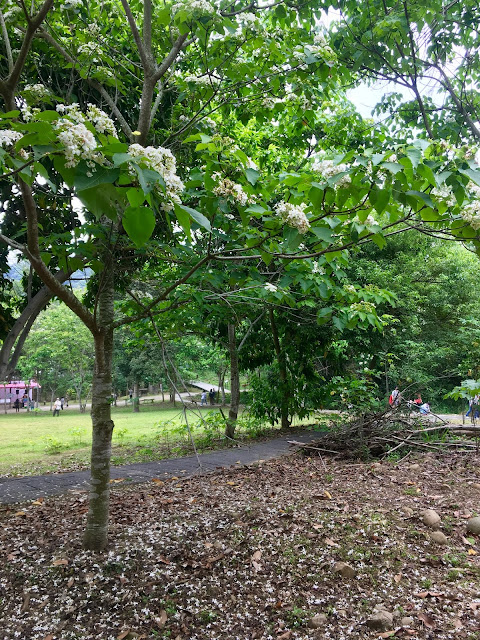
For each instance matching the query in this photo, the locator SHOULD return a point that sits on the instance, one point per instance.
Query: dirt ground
(254, 553)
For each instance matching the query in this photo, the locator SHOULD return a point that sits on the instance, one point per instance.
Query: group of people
(22, 403)
(211, 397)
(396, 398)
(473, 408)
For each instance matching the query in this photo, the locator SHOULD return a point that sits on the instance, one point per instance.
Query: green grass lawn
(38, 442)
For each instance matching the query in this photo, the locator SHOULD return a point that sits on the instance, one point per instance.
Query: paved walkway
(33, 487)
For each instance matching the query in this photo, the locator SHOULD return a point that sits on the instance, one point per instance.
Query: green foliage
(53, 445)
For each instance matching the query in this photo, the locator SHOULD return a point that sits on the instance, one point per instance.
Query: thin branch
(6, 40)
(171, 57)
(146, 62)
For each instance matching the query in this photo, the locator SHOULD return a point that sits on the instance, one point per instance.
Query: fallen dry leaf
(331, 543)
(472, 552)
(157, 481)
(161, 620)
(397, 577)
(328, 494)
(232, 484)
(427, 620)
(285, 636)
(123, 635)
(429, 594)
(257, 555)
(60, 562)
(387, 634)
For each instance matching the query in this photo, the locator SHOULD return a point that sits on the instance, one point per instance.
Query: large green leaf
(101, 200)
(196, 215)
(139, 223)
(98, 177)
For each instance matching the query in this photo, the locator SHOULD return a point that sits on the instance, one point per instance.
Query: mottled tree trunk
(136, 397)
(95, 537)
(282, 368)
(234, 383)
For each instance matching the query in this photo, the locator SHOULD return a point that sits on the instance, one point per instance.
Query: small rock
(218, 545)
(438, 537)
(407, 511)
(407, 622)
(414, 467)
(473, 525)
(431, 518)
(476, 485)
(344, 569)
(381, 620)
(380, 607)
(319, 620)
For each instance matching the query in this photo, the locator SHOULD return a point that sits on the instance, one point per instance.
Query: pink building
(10, 391)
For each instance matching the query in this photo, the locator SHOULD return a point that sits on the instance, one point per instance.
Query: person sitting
(418, 400)
(425, 409)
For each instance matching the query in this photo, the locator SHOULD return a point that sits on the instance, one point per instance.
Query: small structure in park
(18, 389)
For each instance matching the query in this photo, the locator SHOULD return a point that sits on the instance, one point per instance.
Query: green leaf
(100, 200)
(136, 197)
(424, 197)
(394, 167)
(380, 199)
(99, 176)
(199, 218)
(148, 179)
(473, 175)
(324, 233)
(252, 176)
(139, 223)
(183, 218)
(415, 155)
(256, 208)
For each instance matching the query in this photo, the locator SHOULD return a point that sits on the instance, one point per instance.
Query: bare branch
(146, 62)
(6, 40)
(171, 57)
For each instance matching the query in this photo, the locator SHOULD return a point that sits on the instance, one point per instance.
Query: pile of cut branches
(392, 431)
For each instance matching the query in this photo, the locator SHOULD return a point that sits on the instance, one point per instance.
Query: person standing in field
(57, 405)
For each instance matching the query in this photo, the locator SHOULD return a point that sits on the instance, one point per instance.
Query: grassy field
(38, 442)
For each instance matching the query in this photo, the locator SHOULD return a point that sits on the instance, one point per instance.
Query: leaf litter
(249, 553)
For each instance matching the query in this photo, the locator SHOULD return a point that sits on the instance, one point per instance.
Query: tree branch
(6, 40)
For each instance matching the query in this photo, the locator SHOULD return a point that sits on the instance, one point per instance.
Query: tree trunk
(22, 326)
(282, 368)
(95, 537)
(234, 383)
(136, 397)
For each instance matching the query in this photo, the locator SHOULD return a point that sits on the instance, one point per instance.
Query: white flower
(37, 91)
(366, 307)
(163, 162)
(293, 215)
(327, 169)
(90, 49)
(194, 8)
(370, 220)
(270, 287)
(444, 194)
(72, 4)
(78, 141)
(204, 81)
(471, 214)
(229, 189)
(8, 137)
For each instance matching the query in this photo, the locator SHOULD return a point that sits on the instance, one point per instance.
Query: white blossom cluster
(194, 8)
(349, 288)
(9, 137)
(327, 169)
(229, 189)
(203, 81)
(270, 287)
(163, 162)
(78, 140)
(37, 91)
(444, 194)
(99, 119)
(90, 49)
(72, 4)
(366, 307)
(293, 215)
(322, 48)
(369, 221)
(471, 214)
(318, 269)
